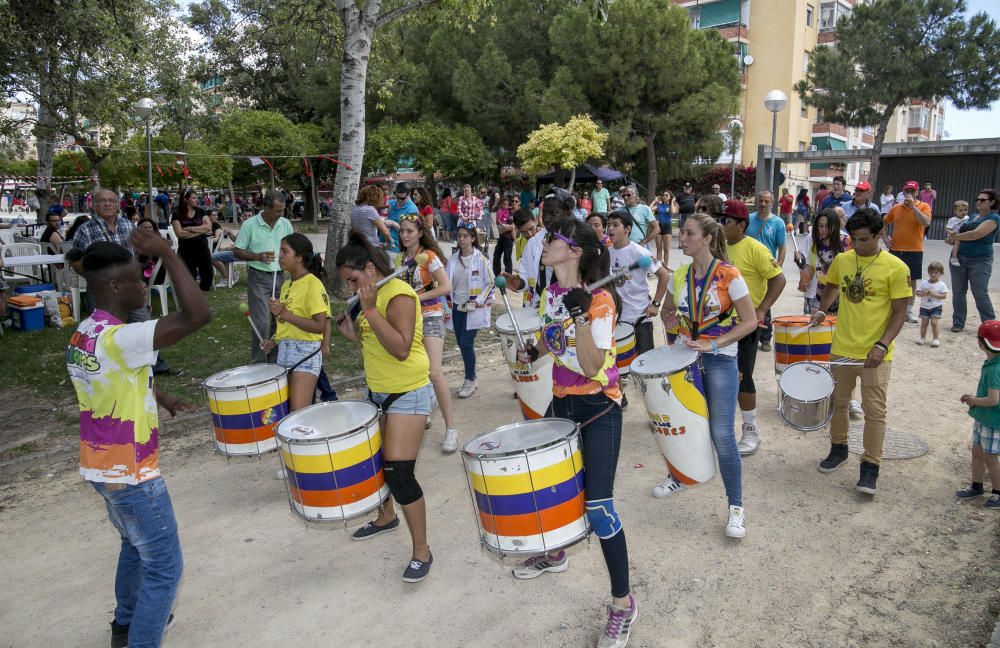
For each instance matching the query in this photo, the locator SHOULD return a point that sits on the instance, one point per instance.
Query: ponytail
(359, 251)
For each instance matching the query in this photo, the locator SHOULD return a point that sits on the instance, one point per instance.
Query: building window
(802, 146)
(919, 117)
(805, 62)
(829, 13)
(718, 14)
(809, 15)
(804, 111)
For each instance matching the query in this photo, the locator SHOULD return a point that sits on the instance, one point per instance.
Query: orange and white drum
(246, 405)
(672, 387)
(625, 349)
(332, 455)
(795, 342)
(527, 486)
(532, 381)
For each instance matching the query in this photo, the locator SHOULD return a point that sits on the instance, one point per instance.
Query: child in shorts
(984, 408)
(960, 214)
(932, 293)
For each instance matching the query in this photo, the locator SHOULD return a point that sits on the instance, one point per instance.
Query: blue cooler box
(28, 319)
(26, 290)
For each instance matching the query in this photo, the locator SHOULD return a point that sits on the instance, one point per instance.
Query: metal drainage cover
(897, 445)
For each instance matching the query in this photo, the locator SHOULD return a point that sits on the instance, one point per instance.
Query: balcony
(827, 128)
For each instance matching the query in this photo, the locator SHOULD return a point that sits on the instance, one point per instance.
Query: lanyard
(697, 303)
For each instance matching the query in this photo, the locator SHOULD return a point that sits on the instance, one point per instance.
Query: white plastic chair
(171, 236)
(20, 249)
(161, 289)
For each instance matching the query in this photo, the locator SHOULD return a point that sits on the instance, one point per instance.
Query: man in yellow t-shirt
(765, 281)
(875, 287)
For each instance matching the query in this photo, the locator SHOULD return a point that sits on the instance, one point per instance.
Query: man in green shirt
(600, 198)
(258, 243)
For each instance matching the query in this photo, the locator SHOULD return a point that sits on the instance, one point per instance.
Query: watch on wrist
(656, 303)
(581, 320)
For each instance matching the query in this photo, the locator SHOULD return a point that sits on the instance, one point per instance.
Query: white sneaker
(450, 443)
(910, 319)
(750, 441)
(921, 341)
(467, 388)
(736, 527)
(280, 474)
(935, 342)
(854, 410)
(954, 261)
(667, 486)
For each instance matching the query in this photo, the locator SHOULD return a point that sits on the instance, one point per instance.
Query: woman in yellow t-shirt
(302, 310)
(390, 330)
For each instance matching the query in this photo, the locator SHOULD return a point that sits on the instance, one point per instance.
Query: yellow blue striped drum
(332, 454)
(672, 387)
(526, 482)
(625, 350)
(246, 405)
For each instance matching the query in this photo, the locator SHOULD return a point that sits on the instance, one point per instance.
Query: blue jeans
(722, 383)
(149, 563)
(974, 272)
(326, 391)
(466, 341)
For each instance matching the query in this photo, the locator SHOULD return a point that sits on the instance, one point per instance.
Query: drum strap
(387, 403)
(295, 366)
(604, 411)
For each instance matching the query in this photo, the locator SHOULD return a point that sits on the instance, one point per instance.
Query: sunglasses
(551, 236)
(408, 218)
(982, 199)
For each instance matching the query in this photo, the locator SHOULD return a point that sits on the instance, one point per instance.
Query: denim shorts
(434, 327)
(291, 351)
(415, 401)
(914, 261)
(928, 313)
(986, 437)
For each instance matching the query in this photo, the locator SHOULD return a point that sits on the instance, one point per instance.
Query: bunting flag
(75, 163)
(336, 161)
(159, 171)
(308, 170)
(255, 161)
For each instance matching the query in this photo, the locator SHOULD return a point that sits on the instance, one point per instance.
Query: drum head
(244, 376)
(527, 320)
(664, 360)
(519, 437)
(326, 421)
(806, 381)
(623, 330)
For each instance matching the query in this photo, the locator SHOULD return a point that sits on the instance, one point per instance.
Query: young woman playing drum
(710, 302)
(390, 330)
(431, 282)
(579, 331)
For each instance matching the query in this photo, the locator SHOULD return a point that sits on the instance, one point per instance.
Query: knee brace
(603, 518)
(402, 484)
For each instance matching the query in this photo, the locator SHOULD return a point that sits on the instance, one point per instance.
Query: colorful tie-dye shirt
(559, 338)
(110, 364)
(726, 287)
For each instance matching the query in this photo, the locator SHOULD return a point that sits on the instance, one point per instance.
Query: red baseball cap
(911, 184)
(989, 333)
(735, 209)
(863, 186)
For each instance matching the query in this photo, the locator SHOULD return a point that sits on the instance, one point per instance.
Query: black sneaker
(869, 475)
(119, 633)
(765, 347)
(969, 492)
(417, 570)
(993, 501)
(837, 456)
(370, 529)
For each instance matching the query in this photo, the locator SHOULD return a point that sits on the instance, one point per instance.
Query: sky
(973, 124)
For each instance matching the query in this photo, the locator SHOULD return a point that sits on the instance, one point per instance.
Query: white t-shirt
(939, 288)
(887, 203)
(527, 268)
(955, 222)
(633, 289)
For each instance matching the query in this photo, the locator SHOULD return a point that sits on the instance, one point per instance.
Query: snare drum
(246, 405)
(532, 382)
(625, 347)
(332, 454)
(526, 482)
(805, 396)
(671, 384)
(793, 342)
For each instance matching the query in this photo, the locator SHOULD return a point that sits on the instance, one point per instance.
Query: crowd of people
(718, 304)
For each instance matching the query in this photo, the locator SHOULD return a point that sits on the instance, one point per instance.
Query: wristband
(819, 312)
(715, 347)
(367, 312)
(882, 346)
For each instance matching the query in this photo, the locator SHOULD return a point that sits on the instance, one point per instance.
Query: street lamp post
(144, 108)
(774, 102)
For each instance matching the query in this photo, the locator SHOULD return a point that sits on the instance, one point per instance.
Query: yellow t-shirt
(304, 297)
(862, 319)
(383, 372)
(755, 263)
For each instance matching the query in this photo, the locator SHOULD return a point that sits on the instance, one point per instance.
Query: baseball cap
(989, 333)
(688, 184)
(55, 209)
(863, 186)
(911, 184)
(735, 209)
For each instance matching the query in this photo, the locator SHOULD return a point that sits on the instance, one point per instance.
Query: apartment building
(773, 41)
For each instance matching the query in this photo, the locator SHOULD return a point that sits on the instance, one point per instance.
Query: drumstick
(501, 283)
(246, 311)
(642, 262)
(795, 243)
(420, 259)
(274, 283)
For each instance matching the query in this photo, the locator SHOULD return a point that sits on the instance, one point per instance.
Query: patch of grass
(19, 451)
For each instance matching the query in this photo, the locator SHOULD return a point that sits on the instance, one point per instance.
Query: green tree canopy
(455, 152)
(564, 146)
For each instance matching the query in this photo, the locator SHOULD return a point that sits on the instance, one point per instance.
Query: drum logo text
(661, 425)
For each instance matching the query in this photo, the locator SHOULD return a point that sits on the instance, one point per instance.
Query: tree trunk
(44, 134)
(651, 177)
(572, 179)
(359, 27)
(877, 148)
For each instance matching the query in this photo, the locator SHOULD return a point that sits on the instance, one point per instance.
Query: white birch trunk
(46, 152)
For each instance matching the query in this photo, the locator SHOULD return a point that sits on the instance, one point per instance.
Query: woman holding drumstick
(578, 329)
(390, 331)
(710, 302)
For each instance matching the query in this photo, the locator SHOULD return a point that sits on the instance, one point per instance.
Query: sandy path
(820, 565)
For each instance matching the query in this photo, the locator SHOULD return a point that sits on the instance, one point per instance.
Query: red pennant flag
(336, 161)
(159, 170)
(308, 171)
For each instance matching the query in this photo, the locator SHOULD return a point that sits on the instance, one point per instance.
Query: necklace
(856, 288)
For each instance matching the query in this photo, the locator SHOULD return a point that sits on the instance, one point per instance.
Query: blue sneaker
(417, 570)
(370, 529)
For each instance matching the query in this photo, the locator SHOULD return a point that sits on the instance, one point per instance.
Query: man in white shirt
(531, 275)
(717, 191)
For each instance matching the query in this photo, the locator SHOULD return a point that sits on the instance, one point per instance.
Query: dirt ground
(820, 565)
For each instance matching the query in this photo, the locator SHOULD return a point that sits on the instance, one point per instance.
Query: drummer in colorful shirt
(710, 302)
(578, 329)
(390, 330)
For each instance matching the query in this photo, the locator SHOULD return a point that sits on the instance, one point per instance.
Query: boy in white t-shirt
(932, 293)
(960, 214)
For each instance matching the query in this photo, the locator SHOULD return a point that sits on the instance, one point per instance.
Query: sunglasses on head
(551, 236)
(405, 218)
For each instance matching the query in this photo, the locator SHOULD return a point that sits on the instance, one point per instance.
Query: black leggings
(198, 259)
(504, 246)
